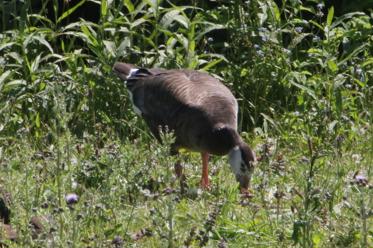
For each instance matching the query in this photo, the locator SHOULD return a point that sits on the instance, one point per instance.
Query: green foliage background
(301, 72)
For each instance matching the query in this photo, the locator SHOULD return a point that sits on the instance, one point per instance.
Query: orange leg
(205, 184)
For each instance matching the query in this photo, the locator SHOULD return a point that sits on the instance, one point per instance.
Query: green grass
(303, 78)
(129, 190)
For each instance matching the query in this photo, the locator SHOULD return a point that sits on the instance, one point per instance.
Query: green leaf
(211, 64)
(329, 19)
(353, 53)
(16, 56)
(342, 18)
(37, 120)
(310, 10)
(209, 28)
(129, 5)
(262, 15)
(317, 25)
(275, 11)
(332, 66)
(171, 16)
(89, 35)
(70, 11)
(110, 47)
(182, 40)
(316, 239)
(270, 120)
(42, 18)
(103, 8)
(3, 77)
(43, 41)
(138, 22)
(291, 77)
(14, 84)
(367, 62)
(8, 44)
(35, 63)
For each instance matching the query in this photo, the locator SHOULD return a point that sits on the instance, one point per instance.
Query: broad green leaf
(317, 25)
(191, 46)
(16, 56)
(182, 40)
(316, 238)
(329, 19)
(168, 18)
(270, 120)
(211, 64)
(129, 5)
(110, 47)
(89, 35)
(140, 7)
(310, 10)
(70, 11)
(43, 18)
(137, 22)
(353, 53)
(275, 11)
(300, 78)
(103, 8)
(8, 44)
(3, 77)
(343, 18)
(191, 41)
(43, 41)
(150, 42)
(72, 25)
(182, 20)
(213, 55)
(262, 15)
(332, 65)
(361, 84)
(170, 44)
(37, 120)
(126, 43)
(209, 28)
(14, 84)
(369, 61)
(35, 63)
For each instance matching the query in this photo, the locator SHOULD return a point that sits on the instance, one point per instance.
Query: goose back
(196, 106)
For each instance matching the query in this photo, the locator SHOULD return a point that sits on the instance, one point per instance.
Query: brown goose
(200, 110)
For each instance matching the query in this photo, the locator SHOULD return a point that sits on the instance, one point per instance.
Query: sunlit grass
(304, 87)
(130, 195)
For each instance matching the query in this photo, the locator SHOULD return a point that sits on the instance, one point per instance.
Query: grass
(303, 79)
(128, 193)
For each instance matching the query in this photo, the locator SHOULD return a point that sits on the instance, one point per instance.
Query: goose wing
(189, 102)
(163, 95)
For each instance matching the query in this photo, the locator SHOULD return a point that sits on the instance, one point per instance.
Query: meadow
(78, 168)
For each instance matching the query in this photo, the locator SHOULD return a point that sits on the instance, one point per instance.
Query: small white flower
(356, 158)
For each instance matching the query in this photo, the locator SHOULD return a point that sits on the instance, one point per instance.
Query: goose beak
(242, 160)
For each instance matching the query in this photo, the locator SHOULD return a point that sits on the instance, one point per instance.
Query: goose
(198, 108)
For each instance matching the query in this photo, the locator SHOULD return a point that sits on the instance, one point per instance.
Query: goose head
(242, 160)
